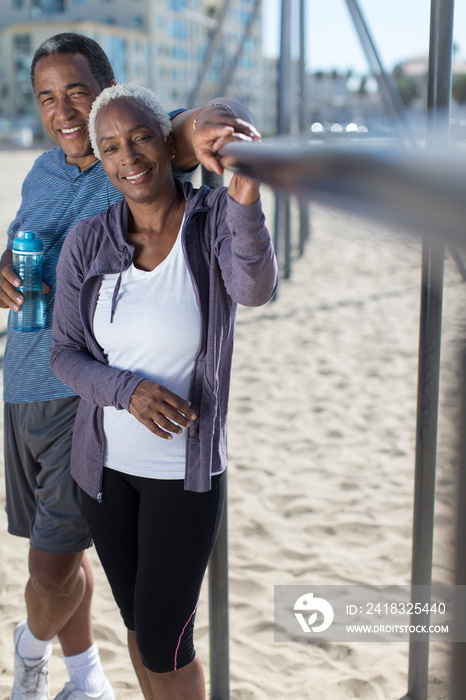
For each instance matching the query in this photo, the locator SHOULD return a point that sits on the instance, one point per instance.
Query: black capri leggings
(154, 540)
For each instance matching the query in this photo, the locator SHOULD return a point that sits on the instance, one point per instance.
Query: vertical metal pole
(303, 119)
(218, 577)
(458, 669)
(218, 611)
(303, 224)
(282, 203)
(433, 253)
(304, 106)
(282, 240)
(426, 448)
(284, 71)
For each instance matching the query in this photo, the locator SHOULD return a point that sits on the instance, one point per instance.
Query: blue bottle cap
(26, 242)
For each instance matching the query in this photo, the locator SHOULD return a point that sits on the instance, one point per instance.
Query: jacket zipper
(196, 292)
(100, 354)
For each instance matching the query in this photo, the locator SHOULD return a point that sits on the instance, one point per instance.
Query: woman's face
(134, 153)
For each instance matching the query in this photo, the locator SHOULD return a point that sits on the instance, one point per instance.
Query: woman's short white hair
(142, 96)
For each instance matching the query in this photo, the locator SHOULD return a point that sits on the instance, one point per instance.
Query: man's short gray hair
(71, 43)
(142, 96)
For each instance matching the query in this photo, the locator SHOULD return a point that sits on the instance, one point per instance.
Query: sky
(400, 30)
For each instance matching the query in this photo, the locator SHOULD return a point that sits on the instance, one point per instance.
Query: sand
(321, 464)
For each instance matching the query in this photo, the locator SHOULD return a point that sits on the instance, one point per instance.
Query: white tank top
(156, 333)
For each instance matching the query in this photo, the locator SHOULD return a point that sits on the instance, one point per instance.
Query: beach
(321, 445)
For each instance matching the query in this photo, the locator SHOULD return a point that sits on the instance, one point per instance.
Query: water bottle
(27, 263)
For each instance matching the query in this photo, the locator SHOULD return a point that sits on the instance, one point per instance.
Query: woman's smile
(137, 177)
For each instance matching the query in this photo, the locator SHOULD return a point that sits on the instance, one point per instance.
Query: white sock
(86, 670)
(29, 647)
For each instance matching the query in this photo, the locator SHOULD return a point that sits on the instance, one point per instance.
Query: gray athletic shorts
(43, 502)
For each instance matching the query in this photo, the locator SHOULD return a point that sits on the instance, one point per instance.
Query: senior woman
(143, 331)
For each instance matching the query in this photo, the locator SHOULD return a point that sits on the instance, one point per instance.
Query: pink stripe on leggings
(182, 632)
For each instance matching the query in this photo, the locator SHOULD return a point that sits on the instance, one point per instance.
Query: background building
(189, 51)
(162, 44)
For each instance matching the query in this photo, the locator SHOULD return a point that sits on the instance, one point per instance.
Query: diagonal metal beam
(212, 48)
(388, 89)
(230, 71)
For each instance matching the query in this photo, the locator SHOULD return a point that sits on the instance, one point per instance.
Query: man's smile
(71, 130)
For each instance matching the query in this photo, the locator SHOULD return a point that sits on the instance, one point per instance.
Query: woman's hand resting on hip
(160, 410)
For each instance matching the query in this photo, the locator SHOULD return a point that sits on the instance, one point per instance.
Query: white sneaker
(70, 692)
(31, 680)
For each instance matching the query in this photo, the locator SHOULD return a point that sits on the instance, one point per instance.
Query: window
(249, 45)
(22, 57)
(46, 7)
(22, 44)
(245, 63)
(178, 29)
(137, 22)
(116, 50)
(244, 17)
(179, 52)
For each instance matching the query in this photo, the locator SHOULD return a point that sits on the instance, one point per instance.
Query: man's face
(65, 90)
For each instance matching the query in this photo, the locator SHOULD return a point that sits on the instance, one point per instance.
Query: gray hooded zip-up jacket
(231, 261)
